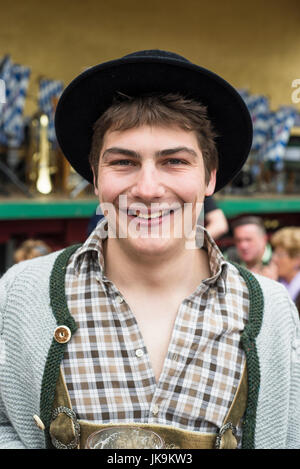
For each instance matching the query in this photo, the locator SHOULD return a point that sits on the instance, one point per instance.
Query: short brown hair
(289, 239)
(168, 109)
(249, 220)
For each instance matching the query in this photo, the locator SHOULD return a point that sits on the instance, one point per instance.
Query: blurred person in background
(215, 220)
(286, 260)
(31, 248)
(251, 249)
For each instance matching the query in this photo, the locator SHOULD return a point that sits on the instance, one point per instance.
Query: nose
(148, 185)
(243, 244)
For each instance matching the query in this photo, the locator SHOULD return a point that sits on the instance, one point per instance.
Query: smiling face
(159, 174)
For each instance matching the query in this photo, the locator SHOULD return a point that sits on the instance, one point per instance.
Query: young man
(146, 323)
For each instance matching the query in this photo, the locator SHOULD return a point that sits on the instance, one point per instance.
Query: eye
(122, 163)
(175, 161)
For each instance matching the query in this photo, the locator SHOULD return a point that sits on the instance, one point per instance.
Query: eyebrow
(136, 155)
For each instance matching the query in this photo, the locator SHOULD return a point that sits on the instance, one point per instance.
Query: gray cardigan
(27, 323)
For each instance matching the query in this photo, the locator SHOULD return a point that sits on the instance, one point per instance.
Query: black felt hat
(146, 72)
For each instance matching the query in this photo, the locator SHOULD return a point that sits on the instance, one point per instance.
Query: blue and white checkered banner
(5, 71)
(297, 120)
(48, 91)
(13, 113)
(16, 78)
(261, 115)
(282, 122)
(2, 92)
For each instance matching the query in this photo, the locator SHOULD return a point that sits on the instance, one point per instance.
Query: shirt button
(119, 299)
(62, 334)
(155, 410)
(38, 422)
(139, 352)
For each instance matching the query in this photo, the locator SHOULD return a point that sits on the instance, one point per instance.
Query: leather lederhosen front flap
(67, 432)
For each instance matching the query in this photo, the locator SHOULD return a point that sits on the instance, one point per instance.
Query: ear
(212, 183)
(95, 183)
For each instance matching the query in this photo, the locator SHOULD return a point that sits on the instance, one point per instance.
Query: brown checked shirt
(106, 365)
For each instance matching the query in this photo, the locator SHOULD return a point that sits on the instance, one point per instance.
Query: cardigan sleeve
(26, 327)
(293, 434)
(9, 438)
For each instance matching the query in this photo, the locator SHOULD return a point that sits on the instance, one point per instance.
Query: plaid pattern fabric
(106, 364)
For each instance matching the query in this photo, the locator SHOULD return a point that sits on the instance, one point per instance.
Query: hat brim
(92, 92)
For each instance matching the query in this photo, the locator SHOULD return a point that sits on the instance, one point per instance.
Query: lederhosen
(64, 431)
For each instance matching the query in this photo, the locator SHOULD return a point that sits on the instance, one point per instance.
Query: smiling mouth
(149, 215)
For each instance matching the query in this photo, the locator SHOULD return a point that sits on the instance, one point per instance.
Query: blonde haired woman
(286, 257)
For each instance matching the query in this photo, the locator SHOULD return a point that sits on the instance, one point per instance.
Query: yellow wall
(254, 44)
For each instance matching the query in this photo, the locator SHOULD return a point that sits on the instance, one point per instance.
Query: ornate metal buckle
(70, 413)
(221, 432)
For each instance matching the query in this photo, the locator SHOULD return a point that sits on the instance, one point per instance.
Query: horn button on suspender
(62, 334)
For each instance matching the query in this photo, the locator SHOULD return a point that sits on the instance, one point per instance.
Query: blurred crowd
(277, 258)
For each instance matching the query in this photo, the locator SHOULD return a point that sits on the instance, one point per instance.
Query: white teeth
(153, 215)
(147, 216)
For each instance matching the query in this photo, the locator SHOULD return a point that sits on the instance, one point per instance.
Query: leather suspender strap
(238, 406)
(226, 437)
(64, 427)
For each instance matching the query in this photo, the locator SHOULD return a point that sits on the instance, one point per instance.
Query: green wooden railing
(18, 209)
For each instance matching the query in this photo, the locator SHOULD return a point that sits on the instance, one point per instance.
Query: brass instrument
(40, 159)
(43, 183)
(47, 169)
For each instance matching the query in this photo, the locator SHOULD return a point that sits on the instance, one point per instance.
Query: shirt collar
(93, 247)
(217, 263)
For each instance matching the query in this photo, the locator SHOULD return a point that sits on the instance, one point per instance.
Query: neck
(163, 273)
(255, 264)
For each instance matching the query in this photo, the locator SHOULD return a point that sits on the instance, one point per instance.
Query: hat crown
(157, 53)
